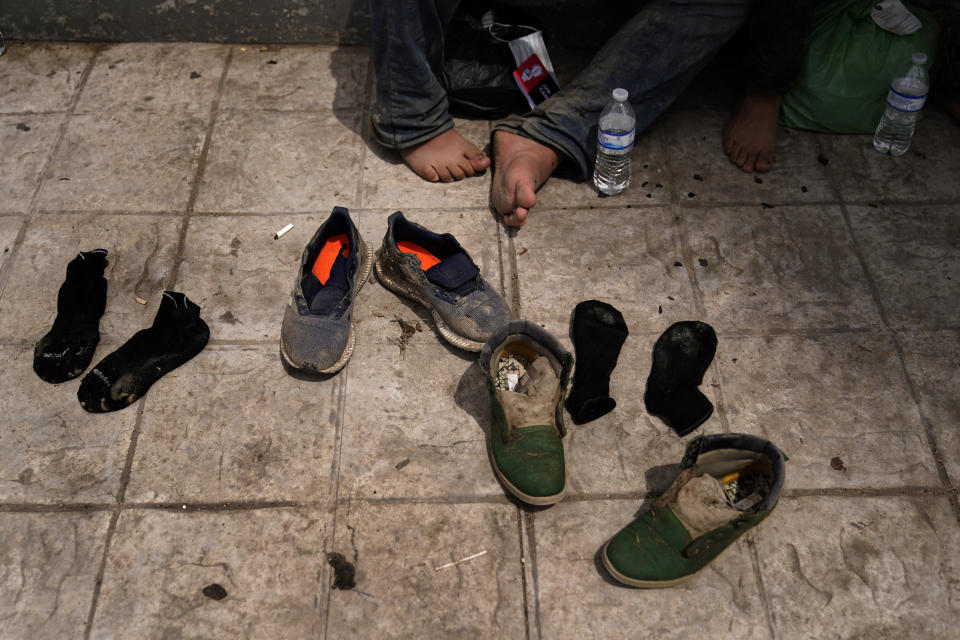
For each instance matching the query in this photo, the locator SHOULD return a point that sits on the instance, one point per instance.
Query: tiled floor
(833, 287)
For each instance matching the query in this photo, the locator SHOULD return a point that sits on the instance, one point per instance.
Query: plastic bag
(849, 63)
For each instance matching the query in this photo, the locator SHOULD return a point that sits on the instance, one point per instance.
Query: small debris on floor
(401, 464)
(659, 186)
(766, 205)
(703, 261)
(678, 264)
(140, 301)
(645, 183)
(279, 233)
(803, 188)
(660, 310)
(758, 179)
(407, 329)
(22, 126)
(215, 591)
(822, 159)
(522, 251)
(271, 62)
(453, 564)
(691, 195)
(698, 177)
(344, 573)
(194, 75)
(734, 360)
(837, 464)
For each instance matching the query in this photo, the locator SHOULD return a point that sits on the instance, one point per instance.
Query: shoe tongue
(456, 273)
(323, 298)
(702, 505)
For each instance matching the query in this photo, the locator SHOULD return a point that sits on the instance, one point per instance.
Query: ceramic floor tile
(400, 591)
(141, 251)
(52, 450)
(154, 76)
(269, 562)
(693, 145)
(240, 275)
(415, 417)
(837, 405)
(275, 162)
(778, 269)
(9, 229)
(252, 433)
(913, 256)
(388, 183)
(861, 567)
(933, 363)
(925, 172)
(625, 257)
(151, 171)
(628, 450)
(723, 601)
(41, 76)
(296, 78)
(27, 141)
(49, 564)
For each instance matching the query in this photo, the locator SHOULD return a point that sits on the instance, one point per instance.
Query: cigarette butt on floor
(140, 300)
(277, 235)
(453, 564)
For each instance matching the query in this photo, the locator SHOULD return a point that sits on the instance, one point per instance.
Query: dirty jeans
(654, 55)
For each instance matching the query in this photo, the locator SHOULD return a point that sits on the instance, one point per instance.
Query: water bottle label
(902, 102)
(615, 141)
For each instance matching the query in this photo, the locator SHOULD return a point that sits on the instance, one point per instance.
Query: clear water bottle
(611, 173)
(908, 92)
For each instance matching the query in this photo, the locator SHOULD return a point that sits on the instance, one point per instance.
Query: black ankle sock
(680, 358)
(598, 333)
(122, 377)
(68, 347)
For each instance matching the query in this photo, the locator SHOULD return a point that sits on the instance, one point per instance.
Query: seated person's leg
(772, 60)
(654, 56)
(411, 114)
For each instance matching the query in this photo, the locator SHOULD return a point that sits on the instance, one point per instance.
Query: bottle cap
(919, 59)
(621, 95)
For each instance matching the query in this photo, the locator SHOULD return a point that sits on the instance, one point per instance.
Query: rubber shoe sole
(396, 283)
(366, 261)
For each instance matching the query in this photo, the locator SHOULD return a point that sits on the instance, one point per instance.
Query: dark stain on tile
(703, 262)
(194, 75)
(698, 177)
(822, 159)
(344, 573)
(758, 179)
(837, 464)
(401, 464)
(215, 591)
(23, 126)
(766, 205)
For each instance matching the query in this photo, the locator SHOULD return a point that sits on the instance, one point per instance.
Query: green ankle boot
(527, 372)
(727, 484)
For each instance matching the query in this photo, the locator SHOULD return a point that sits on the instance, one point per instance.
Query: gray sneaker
(434, 270)
(317, 334)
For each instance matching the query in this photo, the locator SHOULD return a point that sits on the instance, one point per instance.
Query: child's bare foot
(522, 166)
(751, 134)
(447, 157)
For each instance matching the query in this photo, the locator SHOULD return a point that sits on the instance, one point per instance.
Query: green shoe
(727, 484)
(527, 372)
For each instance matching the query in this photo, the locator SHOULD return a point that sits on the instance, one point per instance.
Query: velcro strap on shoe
(453, 273)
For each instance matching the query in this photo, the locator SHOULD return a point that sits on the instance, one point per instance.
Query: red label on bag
(535, 81)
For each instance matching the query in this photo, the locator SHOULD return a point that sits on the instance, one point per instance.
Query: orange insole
(427, 259)
(328, 255)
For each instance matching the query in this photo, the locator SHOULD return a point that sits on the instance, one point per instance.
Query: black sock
(598, 333)
(68, 347)
(680, 358)
(122, 377)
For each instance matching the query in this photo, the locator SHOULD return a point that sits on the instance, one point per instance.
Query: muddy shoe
(318, 334)
(434, 270)
(527, 372)
(727, 484)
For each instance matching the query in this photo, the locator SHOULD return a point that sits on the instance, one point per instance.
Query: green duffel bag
(848, 66)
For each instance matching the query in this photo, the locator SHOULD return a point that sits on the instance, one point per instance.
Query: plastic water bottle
(611, 173)
(905, 99)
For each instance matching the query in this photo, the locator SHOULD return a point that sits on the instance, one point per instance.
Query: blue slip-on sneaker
(434, 270)
(318, 334)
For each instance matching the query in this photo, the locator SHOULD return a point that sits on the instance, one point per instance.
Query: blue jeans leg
(408, 39)
(654, 56)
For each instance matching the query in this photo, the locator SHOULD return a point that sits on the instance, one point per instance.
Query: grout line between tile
(528, 518)
(523, 575)
(764, 599)
(117, 508)
(905, 371)
(326, 592)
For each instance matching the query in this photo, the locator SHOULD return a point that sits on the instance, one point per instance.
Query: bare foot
(522, 166)
(447, 157)
(751, 133)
